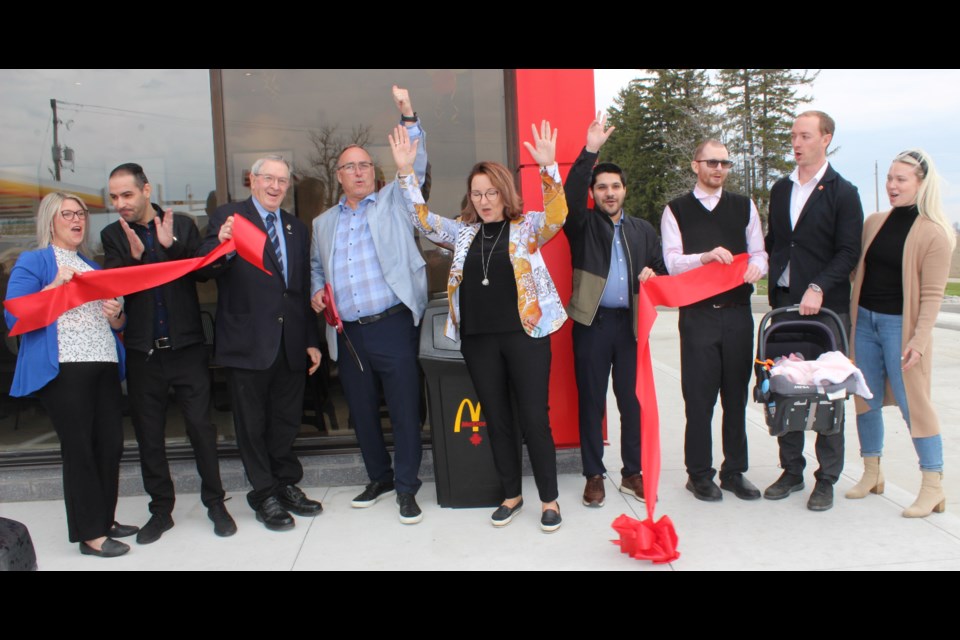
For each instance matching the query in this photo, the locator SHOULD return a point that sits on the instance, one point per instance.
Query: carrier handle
(795, 308)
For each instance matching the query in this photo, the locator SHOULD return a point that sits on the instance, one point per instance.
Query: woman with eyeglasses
(503, 308)
(897, 291)
(75, 366)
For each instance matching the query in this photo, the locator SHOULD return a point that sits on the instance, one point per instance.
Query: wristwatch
(815, 287)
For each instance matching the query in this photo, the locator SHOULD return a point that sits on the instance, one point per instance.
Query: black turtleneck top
(882, 289)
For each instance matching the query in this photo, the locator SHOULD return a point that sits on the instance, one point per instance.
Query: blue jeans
(878, 341)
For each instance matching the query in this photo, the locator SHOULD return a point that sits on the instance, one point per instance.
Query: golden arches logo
(474, 423)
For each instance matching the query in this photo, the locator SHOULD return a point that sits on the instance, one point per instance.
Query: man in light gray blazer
(364, 247)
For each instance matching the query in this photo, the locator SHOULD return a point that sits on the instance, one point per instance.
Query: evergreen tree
(660, 120)
(759, 108)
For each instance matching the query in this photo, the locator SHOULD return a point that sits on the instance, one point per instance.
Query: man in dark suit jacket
(265, 332)
(164, 341)
(813, 238)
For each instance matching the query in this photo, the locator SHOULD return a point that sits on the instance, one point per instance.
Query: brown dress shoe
(632, 486)
(593, 493)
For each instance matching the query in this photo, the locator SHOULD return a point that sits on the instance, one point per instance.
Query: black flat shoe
(550, 520)
(109, 549)
(504, 514)
(122, 530)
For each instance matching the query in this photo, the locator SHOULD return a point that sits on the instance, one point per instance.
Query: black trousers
(83, 403)
(716, 356)
(149, 379)
(499, 362)
(606, 343)
(388, 351)
(267, 410)
(829, 449)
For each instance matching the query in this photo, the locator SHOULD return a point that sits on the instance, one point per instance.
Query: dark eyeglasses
(713, 164)
(70, 216)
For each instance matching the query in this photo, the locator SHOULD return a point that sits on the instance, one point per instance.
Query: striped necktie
(274, 239)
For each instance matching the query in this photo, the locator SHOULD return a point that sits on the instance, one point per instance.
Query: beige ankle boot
(931, 497)
(871, 482)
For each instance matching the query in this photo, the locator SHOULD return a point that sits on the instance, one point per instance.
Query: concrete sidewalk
(730, 535)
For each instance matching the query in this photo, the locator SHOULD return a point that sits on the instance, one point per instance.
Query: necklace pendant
(485, 282)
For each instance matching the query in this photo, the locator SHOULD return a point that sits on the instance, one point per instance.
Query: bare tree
(328, 143)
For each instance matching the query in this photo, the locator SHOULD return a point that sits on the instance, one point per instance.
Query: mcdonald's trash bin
(462, 458)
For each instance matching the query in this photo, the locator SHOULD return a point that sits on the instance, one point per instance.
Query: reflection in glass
(64, 130)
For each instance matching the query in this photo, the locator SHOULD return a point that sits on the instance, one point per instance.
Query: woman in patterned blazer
(503, 307)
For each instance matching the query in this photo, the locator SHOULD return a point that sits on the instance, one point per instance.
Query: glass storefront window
(309, 115)
(65, 130)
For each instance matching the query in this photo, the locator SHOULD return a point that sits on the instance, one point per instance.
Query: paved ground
(732, 534)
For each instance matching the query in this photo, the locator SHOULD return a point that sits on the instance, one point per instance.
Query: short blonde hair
(49, 207)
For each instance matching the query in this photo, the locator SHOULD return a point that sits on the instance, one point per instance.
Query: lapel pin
(820, 188)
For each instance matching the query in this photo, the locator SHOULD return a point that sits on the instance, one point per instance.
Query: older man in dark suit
(266, 332)
(813, 239)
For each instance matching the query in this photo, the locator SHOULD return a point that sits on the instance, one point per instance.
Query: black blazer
(824, 247)
(179, 296)
(256, 311)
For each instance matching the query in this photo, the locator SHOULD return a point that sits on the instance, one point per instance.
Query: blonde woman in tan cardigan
(897, 291)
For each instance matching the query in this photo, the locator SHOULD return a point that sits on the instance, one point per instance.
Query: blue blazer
(38, 360)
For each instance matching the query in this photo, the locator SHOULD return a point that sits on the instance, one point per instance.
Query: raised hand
(597, 134)
(404, 151)
(136, 244)
(544, 147)
(165, 229)
(401, 97)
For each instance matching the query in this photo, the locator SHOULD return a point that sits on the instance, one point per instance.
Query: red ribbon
(40, 309)
(650, 539)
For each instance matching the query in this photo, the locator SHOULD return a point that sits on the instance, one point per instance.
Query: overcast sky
(879, 113)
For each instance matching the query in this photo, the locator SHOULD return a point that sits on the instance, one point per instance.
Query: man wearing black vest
(612, 253)
(716, 334)
(816, 221)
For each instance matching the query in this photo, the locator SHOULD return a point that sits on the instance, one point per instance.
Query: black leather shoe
(122, 530)
(550, 520)
(373, 492)
(786, 484)
(155, 527)
(295, 501)
(706, 490)
(409, 509)
(274, 516)
(109, 549)
(822, 497)
(741, 487)
(504, 514)
(223, 524)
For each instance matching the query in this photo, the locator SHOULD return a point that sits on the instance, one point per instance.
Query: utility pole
(56, 141)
